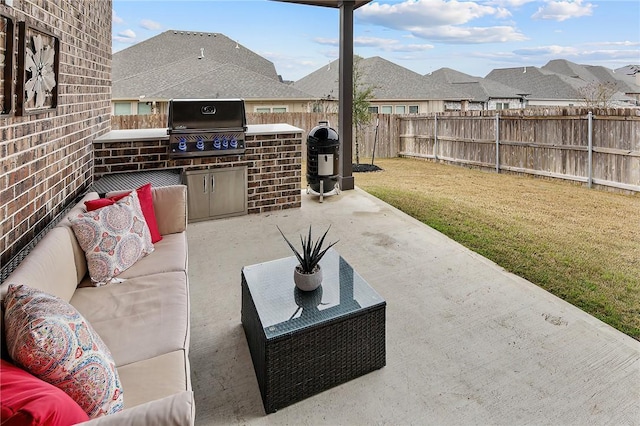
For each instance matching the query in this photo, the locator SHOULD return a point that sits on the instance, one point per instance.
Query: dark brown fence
(597, 146)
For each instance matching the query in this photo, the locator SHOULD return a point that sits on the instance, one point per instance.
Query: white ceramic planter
(307, 282)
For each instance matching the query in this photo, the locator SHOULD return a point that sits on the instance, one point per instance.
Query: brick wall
(46, 158)
(274, 165)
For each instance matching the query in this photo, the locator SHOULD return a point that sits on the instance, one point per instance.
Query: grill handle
(204, 184)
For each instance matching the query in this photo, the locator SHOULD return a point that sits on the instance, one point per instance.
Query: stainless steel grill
(206, 127)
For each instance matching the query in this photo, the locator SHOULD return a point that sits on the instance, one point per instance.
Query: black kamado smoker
(323, 149)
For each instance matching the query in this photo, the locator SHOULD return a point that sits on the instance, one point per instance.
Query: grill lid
(187, 115)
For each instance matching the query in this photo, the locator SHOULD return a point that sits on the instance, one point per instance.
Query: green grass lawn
(582, 245)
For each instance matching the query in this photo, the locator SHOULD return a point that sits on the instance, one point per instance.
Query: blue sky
(422, 35)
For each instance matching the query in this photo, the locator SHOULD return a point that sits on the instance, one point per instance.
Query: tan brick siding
(46, 158)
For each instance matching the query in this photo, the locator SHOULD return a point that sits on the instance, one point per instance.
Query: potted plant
(307, 275)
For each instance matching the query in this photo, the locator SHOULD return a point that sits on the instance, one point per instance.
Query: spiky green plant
(312, 251)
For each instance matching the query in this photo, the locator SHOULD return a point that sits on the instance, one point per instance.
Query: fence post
(435, 136)
(590, 150)
(497, 142)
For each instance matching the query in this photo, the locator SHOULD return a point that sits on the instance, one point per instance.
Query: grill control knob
(234, 142)
(225, 142)
(182, 144)
(216, 143)
(200, 143)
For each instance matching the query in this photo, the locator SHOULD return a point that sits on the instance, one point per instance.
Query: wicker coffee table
(303, 343)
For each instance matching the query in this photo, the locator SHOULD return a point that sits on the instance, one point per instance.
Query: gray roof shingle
(480, 89)
(179, 64)
(538, 83)
(389, 81)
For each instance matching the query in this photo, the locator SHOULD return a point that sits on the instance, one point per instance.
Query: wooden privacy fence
(305, 121)
(594, 146)
(600, 147)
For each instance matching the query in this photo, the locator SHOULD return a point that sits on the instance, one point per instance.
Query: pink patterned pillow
(49, 338)
(113, 238)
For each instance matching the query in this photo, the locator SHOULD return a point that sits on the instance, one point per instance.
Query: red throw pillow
(27, 400)
(146, 204)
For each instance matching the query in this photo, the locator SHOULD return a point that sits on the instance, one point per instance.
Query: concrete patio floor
(467, 342)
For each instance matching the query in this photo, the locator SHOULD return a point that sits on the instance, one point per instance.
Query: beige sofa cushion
(140, 318)
(80, 259)
(155, 378)
(170, 208)
(50, 267)
(175, 410)
(169, 255)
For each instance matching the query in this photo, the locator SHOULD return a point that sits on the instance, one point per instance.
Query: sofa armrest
(174, 410)
(170, 205)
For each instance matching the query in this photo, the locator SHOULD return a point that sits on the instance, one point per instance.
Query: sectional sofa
(142, 318)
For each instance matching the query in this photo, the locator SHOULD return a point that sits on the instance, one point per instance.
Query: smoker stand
(322, 194)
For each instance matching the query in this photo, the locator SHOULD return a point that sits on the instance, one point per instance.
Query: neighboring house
(396, 89)
(555, 84)
(630, 74)
(591, 74)
(485, 94)
(190, 65)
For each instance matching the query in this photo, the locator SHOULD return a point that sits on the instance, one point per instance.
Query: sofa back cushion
(79, 257)
(50, 267)
(170, 205)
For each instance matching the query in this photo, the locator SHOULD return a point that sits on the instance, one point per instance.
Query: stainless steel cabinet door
(198, 184)
(216, 193)
(228, 189)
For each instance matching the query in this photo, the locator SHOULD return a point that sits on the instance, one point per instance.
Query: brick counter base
(274, 165)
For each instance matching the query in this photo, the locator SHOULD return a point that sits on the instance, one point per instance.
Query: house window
(413, 109)
(122, 108)
(373, 109)
(502, 105)
(280, 109)
(263, 109)
(144, 108)
(387, 109)
(401, 109)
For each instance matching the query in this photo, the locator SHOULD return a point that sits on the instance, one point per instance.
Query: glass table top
(283, 308)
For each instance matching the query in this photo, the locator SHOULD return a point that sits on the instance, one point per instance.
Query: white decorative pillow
(49, 338)
(113, 238)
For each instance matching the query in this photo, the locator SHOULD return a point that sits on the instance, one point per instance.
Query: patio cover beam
(345, 86)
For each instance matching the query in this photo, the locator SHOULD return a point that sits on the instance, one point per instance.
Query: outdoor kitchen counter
(273, 163)
(161, 133)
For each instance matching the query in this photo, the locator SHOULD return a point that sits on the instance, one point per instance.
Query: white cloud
(389, 45)
(577, 54)
(412, 13)
(510, 3)
(470, 35)
(327, 41)
(443, 20)
(617, 43)
(502, 13)
(552, 50)
(563, 10)
(126, 36)
(150, 25)
(384, 44)
(115, 18)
